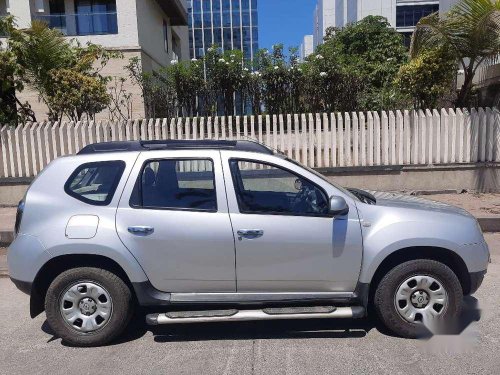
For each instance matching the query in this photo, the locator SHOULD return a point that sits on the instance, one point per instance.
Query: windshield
(342, 189)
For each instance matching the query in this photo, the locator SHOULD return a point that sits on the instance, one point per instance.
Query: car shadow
(271, 329)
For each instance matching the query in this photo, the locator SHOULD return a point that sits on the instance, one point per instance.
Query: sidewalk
(485, 207)
(7, 221)
(3, 262)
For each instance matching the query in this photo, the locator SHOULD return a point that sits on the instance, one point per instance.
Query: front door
(286, 241)
(176, 222)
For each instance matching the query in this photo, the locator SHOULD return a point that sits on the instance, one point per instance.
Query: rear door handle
(250, 233)
(141, 230)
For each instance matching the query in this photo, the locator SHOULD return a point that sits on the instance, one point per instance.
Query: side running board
(314, 312)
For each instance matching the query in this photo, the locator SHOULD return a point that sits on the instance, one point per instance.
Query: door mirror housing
(338, 206)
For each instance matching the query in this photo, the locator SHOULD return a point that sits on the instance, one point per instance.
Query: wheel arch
(439, 254)
(57, 265)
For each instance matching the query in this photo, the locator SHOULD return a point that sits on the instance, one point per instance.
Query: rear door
(173, 217)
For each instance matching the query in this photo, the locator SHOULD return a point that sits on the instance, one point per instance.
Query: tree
(187, 80)
(470, 30)
(43, 56)
(73, 94)
(371, 50)
(156, 90)
(12, 110)
(427, 78)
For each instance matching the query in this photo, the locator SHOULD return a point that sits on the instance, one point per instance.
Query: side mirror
(338, 206)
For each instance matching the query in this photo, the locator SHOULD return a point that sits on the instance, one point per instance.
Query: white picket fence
(317, 140)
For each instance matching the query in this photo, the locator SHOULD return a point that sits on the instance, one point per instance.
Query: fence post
(468, 135)
(436, 124)
(474, 135)
(303, 138)
(445, 135)
(296, 127)
(377, 148)
(496, 137)
(202, 128)
(385, 138)
(26, 148)
(289, 140)
(400, 140)
(430, 139)
(407, 129)
(3, 143)
(310, 129)
(362, 126)
(347, 138)
(453, 135)
(340, 140)
(275, 132)
(326, 139)
(238, 124)
(333, 138)
(355, 136)
(490, 138)
(17, 142)
(282, 132)
(483, 129)
(392, 138)
(371, 142)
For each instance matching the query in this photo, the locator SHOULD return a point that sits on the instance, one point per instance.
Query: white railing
(317, 140)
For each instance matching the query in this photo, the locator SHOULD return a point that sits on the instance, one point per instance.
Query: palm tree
(471, 32)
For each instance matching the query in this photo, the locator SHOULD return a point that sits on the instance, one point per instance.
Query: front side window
(266, 189)
(176, 184)
(95, 183)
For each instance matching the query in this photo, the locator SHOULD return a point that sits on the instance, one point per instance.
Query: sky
(284, 21)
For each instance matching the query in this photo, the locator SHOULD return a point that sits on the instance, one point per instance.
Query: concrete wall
(483, 177)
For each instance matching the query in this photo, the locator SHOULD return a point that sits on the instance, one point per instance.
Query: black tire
(121, 306)
(384, 299)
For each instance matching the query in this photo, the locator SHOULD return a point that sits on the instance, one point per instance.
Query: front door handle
(141, 230)
(250, 233)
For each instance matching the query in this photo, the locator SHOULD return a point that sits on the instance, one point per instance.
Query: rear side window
(95, 183)
(176, 184)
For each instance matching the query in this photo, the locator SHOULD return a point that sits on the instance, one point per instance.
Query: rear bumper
(476, 279)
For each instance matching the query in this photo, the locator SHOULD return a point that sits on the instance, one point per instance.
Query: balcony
(81, 24)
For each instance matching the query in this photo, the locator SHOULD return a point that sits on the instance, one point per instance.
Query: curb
(4, 274)
(489, 224)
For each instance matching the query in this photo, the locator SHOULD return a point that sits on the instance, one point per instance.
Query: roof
(125, 146)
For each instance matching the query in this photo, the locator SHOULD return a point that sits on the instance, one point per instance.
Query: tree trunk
(463, 98)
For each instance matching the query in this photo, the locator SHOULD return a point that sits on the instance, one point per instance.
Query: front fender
(390, 231)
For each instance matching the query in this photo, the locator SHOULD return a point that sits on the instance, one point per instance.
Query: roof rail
(124, 146)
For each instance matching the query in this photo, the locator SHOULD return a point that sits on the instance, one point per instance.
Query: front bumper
(23, 286)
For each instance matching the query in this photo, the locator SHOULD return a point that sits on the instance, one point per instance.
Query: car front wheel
(418, 297)
(88, 306)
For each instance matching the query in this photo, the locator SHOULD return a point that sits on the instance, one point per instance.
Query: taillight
(19, 216)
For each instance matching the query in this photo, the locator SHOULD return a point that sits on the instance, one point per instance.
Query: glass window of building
(409, 15)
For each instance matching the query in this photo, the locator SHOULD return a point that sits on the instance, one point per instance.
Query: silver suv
(184, 226)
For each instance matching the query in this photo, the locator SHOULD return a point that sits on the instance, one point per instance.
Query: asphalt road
(293, 347)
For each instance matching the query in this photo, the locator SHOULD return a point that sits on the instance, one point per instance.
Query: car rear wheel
(418, 297)
(88, 306)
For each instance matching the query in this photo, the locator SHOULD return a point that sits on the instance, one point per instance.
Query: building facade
(229, 24)
(155, 31)
(403, 15)
(307, 47)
